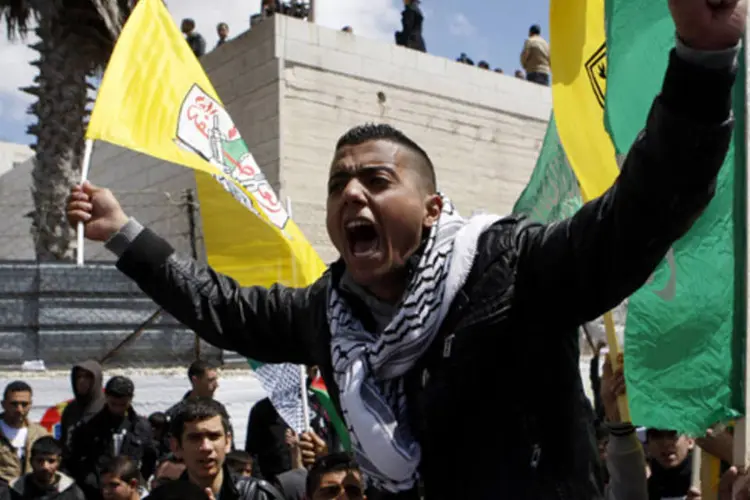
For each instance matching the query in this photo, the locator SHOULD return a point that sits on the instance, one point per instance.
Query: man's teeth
(357, 223)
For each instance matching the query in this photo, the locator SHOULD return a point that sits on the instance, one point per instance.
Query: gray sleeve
(121, 240)
(708, 59)
(627, 468)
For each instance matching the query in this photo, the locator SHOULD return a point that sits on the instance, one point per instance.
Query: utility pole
(191, 206)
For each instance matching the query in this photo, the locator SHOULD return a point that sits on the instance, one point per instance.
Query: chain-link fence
(60, 314)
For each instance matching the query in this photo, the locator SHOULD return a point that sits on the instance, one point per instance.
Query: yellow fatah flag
(579, 85)
(156, 99)
(579, 66)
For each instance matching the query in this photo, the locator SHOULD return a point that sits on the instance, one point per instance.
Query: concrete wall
(483, 130)
(293, 88)
(15, 203)
(12, 154)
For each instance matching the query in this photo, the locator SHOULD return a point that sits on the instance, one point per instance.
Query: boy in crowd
(45, 481)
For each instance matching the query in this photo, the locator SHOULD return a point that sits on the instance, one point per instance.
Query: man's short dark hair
(123, 467)
(120, 387)
(374, 132)
(189, 22)
(46, 445)
(239, 457)
(158, 419)
(196, 410)
(16, 386)
(535, 30)
(652, 433)
(199, 367)
(222, 25)
(333, 462)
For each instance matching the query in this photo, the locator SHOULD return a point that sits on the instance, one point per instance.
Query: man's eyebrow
(343, 172)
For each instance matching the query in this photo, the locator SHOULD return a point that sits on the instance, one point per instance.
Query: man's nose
(205, 444)
(354, 192)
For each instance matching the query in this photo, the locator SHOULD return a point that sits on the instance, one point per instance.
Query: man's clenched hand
(709, 24)
(98, 209)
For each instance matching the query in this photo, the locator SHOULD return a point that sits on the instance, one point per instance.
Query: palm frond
(17, 15)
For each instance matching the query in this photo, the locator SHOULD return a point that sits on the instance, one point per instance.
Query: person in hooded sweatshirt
(86, 381)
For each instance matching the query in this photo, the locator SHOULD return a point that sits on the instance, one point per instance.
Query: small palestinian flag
(282, 383)
(320, 390)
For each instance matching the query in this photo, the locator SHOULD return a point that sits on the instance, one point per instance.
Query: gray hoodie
(626, 464)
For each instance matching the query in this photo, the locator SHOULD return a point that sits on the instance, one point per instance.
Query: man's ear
(433, 207)
(228, 446)
(175, 447)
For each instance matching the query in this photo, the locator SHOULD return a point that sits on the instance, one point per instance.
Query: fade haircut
(158, 419)
(123, 467)
(383, 132)
(197, 410)
(16, 386)
(334, 462)
(199, 368)
(46, 445)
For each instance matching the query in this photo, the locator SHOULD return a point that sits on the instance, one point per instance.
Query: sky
(490, 30)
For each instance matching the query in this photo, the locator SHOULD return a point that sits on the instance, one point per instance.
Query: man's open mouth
(362, 237)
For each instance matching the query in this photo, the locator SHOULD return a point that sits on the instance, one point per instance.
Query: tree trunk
(73, 43)
(61, 112)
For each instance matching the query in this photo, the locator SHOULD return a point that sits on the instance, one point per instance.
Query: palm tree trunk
(61, 90)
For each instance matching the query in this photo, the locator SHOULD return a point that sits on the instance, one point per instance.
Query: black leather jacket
(500, 413)
(244, 488)
(91, 446)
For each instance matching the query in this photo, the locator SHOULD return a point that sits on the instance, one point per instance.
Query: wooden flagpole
(614, 353)
(741, 446)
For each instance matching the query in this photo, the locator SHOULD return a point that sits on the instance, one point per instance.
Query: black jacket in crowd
(91, 445)
(197, 44)
(489, 426)
(244, 488)
(65, 488)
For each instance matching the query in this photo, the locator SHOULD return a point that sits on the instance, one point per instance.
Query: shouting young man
(201, 437)
(429, 321)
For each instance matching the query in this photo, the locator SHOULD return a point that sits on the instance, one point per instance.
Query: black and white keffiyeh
(369, 367)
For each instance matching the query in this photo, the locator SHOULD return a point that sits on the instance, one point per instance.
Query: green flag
(685, 329)
(552, 193)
